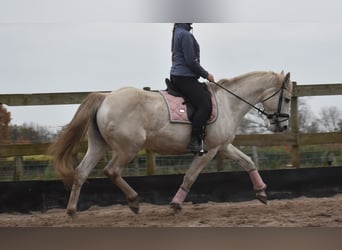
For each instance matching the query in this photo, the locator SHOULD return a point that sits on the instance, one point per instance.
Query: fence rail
(240, 140)
(77, 97)
(293, 139)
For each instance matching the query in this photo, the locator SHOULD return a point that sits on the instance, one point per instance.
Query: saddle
(180, 109)
(171, 89)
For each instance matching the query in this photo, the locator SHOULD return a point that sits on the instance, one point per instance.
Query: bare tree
(253, 122)
(306, 119)
(313, 127)
(340, 125)
(330, 118)
(30, 133)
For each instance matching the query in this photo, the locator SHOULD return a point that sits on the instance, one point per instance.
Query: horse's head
(277, 105)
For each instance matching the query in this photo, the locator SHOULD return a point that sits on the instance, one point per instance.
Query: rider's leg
(200, 99)
(195, 144)
(199, 120)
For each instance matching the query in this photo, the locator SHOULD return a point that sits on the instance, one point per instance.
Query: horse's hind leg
(96, 149)
(113, 171)
(245, 161)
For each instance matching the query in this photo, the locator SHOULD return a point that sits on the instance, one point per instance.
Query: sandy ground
(299, 212)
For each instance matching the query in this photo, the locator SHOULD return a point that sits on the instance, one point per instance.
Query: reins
(241, 99)
(269, 116)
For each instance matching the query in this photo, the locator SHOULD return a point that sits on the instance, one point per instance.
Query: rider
(185, 72)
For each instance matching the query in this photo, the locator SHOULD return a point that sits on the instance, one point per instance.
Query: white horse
(130, 119)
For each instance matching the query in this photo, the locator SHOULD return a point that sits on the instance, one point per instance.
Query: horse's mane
(231, 81)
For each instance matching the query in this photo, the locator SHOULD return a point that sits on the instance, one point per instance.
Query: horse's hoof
(134, 204)
(262, 198)
(135, 210)
(72, 213)
(261, 195)
(177, 208)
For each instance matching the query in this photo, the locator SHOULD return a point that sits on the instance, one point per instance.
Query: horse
(130, 119)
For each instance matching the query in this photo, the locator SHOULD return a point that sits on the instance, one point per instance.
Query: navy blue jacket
(186, 53)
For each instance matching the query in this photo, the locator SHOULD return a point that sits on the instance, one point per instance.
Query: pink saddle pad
(178, 111)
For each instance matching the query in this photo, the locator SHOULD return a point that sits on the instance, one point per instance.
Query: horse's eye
(287, 100)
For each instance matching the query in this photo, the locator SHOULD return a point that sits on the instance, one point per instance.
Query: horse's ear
(287, 77)
(282, 72)
(287, 82)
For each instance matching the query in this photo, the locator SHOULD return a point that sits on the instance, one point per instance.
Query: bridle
(277, 117)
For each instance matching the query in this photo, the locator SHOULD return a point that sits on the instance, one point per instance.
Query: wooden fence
(294, 138)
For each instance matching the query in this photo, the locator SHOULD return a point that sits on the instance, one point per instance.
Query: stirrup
(202, 151)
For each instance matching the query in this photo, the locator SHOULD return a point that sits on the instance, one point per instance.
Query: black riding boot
(195, 144)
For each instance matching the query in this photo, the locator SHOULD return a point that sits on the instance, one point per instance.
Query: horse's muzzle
(278, 128)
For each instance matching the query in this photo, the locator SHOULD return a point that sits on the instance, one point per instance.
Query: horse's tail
(64, 149)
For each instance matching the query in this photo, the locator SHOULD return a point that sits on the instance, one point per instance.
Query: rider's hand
(210, 78)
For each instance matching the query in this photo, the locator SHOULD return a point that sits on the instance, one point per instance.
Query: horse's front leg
(245, 161)
(190, 177)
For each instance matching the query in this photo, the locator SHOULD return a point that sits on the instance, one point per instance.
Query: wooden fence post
(19, 168)
(219, 162)
(150, 162)
(295, 152)
(136, 166)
